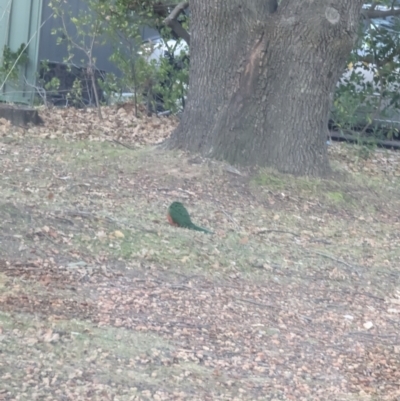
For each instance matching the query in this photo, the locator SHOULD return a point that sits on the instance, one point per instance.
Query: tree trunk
(261, 84)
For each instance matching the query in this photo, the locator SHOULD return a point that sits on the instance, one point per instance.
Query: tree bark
(261, 80)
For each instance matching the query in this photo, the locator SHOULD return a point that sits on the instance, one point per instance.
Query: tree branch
(373, 5)
(172, 21)
(373, 13)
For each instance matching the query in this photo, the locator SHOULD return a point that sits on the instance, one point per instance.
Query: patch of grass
(349, 191)
(335, 197)
(268, 179)
(275, 181)
(3, 283)
(92, 155)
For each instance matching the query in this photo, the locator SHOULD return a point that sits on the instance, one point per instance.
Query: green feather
(181, 217)
(197, 228)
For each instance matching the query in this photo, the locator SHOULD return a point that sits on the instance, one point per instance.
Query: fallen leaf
(244, 240)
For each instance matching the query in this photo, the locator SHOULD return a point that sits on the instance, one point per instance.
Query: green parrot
(178, 216)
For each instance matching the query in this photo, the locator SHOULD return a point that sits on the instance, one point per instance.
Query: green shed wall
(20, 23)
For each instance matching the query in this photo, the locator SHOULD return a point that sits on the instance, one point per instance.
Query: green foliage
(54, 83)
(150, 79)
(76, 93)
(86, 33)
(175, 80)
(12, 62)
(45, 88)
(370, 90)
(147, 79)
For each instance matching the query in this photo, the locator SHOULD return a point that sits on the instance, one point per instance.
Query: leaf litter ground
(295, 297)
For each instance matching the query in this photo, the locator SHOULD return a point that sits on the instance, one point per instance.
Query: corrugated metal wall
(19, 23)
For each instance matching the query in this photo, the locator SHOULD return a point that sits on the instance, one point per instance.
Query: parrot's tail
(197, 228)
